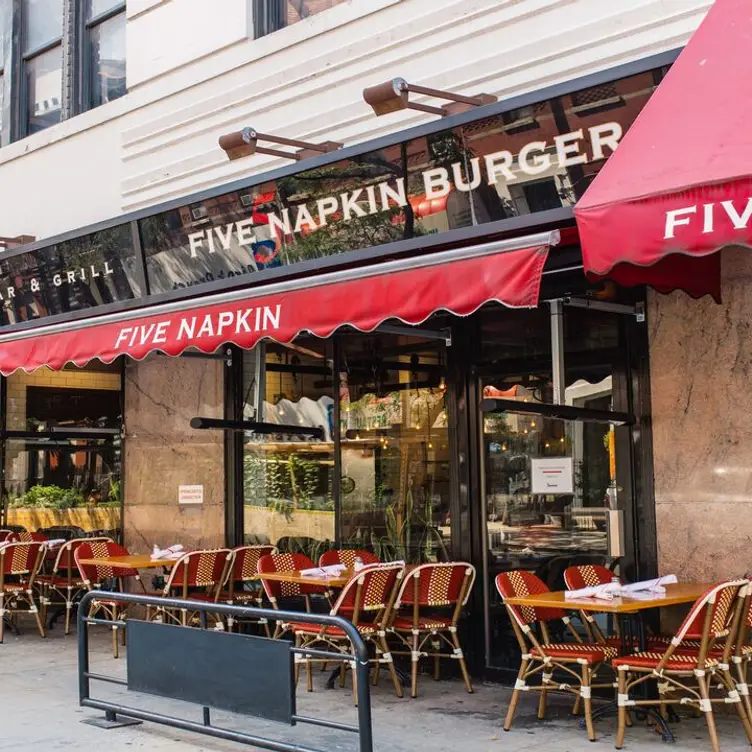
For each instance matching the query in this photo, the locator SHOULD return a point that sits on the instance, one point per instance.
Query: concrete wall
(194, 74)
(701, 366)
(163, 452)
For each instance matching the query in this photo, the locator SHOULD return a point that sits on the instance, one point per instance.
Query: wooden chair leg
(37, 616)
(728, 682)
(309, 675)
(463, 663)
(68, 609)
(587, 701)
(415, 658)
(390, 662)
(702, 682)
(742, 688)
(622, 690)
(516, 695)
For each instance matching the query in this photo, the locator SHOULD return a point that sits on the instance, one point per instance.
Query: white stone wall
(195, 73)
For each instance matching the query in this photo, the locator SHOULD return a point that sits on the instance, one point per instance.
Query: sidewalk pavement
(39, 710)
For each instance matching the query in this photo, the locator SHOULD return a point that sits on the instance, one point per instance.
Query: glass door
(550, 470)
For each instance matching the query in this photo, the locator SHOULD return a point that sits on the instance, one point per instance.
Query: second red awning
(458, 281)
(679, 187)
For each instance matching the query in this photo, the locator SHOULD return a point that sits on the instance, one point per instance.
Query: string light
(503, 447)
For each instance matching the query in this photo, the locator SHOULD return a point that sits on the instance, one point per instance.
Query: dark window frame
(20, 101)
(84, 27)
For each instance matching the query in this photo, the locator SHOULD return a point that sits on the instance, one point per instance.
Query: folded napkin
(172, 552)
(333, 570)
(651, 586)
(55, 542)
(605, 592)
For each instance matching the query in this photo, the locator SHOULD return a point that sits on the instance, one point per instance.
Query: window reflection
(288, 479)
(273, 15)
(44, 80)
(395, 448)
(107, 60)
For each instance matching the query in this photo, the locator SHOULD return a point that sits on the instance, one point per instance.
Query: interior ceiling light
(394, 95)
(244, 143)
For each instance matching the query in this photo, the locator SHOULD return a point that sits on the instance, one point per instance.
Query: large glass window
(62, 453)
(288, 479)
(42, 53)
(104, 52)
(272, 15)
(390, 447)
(395, 447)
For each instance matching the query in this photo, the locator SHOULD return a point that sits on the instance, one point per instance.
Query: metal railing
(273, 673)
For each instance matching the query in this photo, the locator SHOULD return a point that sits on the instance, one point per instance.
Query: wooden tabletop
(300, 579)
(680, 593)
(134, 561)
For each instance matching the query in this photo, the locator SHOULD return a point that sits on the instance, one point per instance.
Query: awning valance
(679, 187)
(458, 281)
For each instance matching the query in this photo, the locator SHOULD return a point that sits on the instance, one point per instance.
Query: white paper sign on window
(552, 475)
(190, 494)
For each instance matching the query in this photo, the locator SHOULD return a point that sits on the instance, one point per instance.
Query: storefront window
(288, 479)
(62, 455)
(395, 447)
(271, 15)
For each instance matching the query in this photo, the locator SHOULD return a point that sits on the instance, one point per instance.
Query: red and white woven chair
(100, 577)
(367, 600)
(19, 565)
(64, 585)
(197, 576)
(428, 608)
(279, 592)
(242, 586)
(576, 662)
(347, 557)
(685, 673)
(6, 536)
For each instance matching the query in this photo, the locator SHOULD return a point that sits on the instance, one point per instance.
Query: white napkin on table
(55, 542)
(605, 592)
(171, 552)
(651, 586)
(331, 570)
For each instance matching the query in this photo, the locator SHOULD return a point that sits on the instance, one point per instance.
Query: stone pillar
(701, 382)
(163, 452)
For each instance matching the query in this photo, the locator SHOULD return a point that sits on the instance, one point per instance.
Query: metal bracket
(637, 310)
(413, 331)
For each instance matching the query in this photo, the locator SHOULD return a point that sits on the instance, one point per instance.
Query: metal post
(84, 690)
(362, 676)
(557, 350)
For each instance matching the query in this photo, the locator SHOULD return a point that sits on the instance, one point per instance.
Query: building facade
(434, 439)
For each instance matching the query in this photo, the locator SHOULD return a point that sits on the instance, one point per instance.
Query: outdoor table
(629, 611)
(133, 561)
(335, 581)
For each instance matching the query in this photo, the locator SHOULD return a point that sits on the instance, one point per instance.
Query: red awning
(679, 187)
(458, 281)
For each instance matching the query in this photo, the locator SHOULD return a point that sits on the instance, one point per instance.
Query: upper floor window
(42, 64)
(103, 52)
(272, 15)
(58, 58)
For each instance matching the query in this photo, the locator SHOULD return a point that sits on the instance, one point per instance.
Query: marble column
(162, 452)
(701, 381)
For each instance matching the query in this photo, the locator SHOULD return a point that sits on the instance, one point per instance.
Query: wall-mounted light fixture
(244, 143)
(395, 95)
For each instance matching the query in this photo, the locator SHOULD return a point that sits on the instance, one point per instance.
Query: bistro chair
(428, 608)
(20, 562)
(242, 586)
(682, 669)
(102, 577)
(286, 591)
(196, 576)
(64, 586)
(347, 557)
(578, 661)
(367, 601)
(27, 537)
(6, 536)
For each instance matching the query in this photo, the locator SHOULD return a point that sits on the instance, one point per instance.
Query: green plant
(49, 497)
(113, 494)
